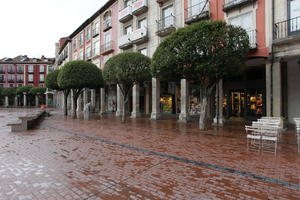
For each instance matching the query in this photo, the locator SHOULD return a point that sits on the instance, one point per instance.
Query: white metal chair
(269, 139)
(253, 137)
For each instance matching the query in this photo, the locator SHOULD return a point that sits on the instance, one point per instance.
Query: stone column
(120, 101)
(72, 104)
(47, 97)
(85, 97)
(268, 89)
(147, 100)
(155, 114)
(102, 101)
(184, 90)
(79, 105)
(36, 101)
(136, 101)
(277, 90)
(24, 99)
(93, 99)
(16, 101)
(6, 101)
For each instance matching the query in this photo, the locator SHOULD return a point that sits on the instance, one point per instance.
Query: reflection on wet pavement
(143, 159)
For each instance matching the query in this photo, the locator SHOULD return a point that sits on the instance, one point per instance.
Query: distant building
(22, 71)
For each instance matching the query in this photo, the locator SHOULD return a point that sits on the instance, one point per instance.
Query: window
(246, 22)
(30, 78)
(10, 77)
(74, 44)
(1, 78)
(107, 39)
(88, 52)
(294, 15)
(42, 78)
(20, 69)
(11, 85)
(88, 34)
(96, 29)
(195, 7)
(11, 69)
(107, 20)
(20, 78)
(142, 23)
(80, 55)
(42, 68)
(20, 85)
(1, 68)
(167, 16)
(96, 47)
(128, 30)
(127, 3)
(30, 68)
(143, 51)
(81, 39)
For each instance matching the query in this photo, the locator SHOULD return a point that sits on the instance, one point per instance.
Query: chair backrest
(253, 130)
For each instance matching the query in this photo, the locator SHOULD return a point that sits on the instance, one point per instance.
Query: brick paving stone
(104, 159)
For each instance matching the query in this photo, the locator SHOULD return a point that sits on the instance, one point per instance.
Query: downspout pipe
(272, 57)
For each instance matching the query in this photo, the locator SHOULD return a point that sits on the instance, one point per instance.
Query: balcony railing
(107, 47)
(252, 38)
(107, 24)
(125, 14)
(139, 36)
(232, 4)
(11, 71)
(20, 80)
(125, 41)
(139, 7)
(95, 32)
(20, 71)
(287, 28)
(165, 26)
(2, 71)
(197, 12)
(11, 80)
(95, 52)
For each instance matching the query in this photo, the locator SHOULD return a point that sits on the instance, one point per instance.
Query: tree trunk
(66, 103)
(124, 110)
(74, 106)
(203, 114)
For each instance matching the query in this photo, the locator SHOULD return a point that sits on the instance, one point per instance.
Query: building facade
(24, 71)
(267, 87)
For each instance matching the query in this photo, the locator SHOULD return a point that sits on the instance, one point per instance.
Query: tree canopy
(51, 80)
(204, 50)
(79, 75)
(126, 69)
(10, 92)
(37, 90)
(24, 89)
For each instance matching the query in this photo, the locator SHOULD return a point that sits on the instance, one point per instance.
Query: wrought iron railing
(197, 9)
(106, 47)
(165, 23)
(287, 28)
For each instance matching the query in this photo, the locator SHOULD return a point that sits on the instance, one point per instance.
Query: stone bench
(26, 122)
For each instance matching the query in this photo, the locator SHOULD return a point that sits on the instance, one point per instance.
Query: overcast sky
(31, 27)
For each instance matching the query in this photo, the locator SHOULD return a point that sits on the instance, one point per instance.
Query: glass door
(237, 109)
(294, 16)
(167, 15)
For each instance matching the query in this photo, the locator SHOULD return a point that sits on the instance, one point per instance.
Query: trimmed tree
(9, 92)
(51, 83)
(205, 52)
(24, 89)
(127, 69)
(38, 91)
(77, 75)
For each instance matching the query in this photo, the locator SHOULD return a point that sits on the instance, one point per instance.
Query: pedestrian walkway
(142, 159)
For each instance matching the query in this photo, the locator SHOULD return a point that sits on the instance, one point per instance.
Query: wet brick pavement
(104, 159)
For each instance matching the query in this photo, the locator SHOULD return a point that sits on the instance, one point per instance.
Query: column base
(218, 122)
(135, 115)
(155, 116)
(183, 117)
(118, 114)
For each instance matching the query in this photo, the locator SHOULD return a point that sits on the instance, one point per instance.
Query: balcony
(161, 1)
(233, 4)
(252, 39)
(2, 71)
(125, 42)
(287, 31)
(20, 71)
(165, 26)
(95, 32)
(20, 81)
(11, 71)
(88, 56)
(125, 14)
(197, 12)
(139, 7)
(107, 25)
(107, 48)
(11, 80)
(2, 80)
(139, 36)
